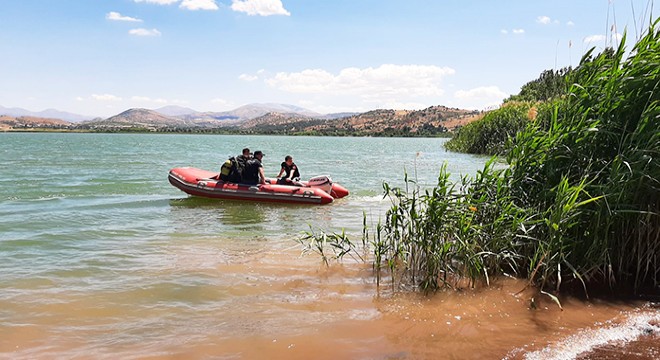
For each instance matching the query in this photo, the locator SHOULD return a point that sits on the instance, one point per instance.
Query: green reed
(340, 245)
(591, 170)
(578, 203)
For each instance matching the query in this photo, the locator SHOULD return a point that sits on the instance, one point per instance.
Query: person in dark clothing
(254, 170)
(289, 174)
(237, 164)
(245, 155)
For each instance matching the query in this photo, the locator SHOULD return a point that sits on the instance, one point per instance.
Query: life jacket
(227, 168)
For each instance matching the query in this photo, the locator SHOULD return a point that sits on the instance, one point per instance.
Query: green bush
(489, 135)
(551, 84)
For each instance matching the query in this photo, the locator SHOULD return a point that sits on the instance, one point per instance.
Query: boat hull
(198, 182)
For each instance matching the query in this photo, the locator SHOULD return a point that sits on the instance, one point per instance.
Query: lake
(100, 257)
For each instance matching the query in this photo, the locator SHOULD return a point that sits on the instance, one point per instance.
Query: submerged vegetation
(578, 203)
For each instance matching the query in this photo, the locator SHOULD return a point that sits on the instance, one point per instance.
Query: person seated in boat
(289, 174)
(232, 169)
(245, 155)
(254, 170)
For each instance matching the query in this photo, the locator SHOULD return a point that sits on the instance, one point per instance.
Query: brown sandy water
(270, 303)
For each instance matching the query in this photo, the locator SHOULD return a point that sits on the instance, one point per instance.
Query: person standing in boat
(254, 170)
(289, 174)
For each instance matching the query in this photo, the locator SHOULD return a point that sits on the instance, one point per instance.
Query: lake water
(100, 257)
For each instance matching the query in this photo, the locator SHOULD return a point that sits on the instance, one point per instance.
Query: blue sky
(101, 57)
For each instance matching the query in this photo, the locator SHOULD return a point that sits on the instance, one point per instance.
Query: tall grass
(594, 170)
(579, 202)
(453, 232)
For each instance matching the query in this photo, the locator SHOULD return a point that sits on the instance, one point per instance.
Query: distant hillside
(45, 114)
(435, 116)
(277, 121)
(338, 115)
(251, 111)
(138, 118)
(269, 119)
(255, 110)
(31, 122)
(429, 121)
(173, 110)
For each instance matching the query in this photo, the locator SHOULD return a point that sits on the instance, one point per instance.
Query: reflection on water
(194, 215)
(228, 212)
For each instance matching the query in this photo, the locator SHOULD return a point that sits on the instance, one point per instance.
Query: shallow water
(101, 258)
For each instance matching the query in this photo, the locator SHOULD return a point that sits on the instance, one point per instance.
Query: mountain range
(248, 112)
(253, 118)
(48, 114)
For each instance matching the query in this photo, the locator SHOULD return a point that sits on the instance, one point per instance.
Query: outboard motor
(323, 182)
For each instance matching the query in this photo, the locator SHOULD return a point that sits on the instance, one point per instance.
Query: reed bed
(578, 203)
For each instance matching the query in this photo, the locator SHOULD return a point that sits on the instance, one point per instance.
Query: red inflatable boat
(198, 182)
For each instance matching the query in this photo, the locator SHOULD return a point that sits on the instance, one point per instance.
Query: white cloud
(115, 16)
(602, 38)
(480, 98)
(513, 31)
(545, 20)
(219, 101)
(327, 108)
(146, 99)
(305, 103)
(385, 84)
(260, 7)
(246, 77)
(219, 104)
(594, 38)
(199, 5)
(105, 97)
(480, 92)
(159, 2)
(249, 77)
(570, 23)
(393, 104)
(186, 4)
(144, 32)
